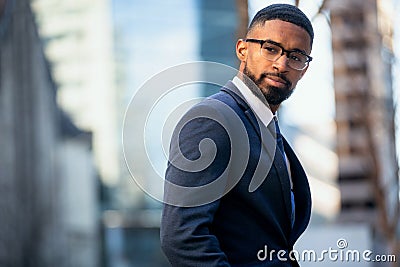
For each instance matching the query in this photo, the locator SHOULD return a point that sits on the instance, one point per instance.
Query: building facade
(46, 168)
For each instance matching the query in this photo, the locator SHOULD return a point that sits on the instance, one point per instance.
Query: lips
(276, 80)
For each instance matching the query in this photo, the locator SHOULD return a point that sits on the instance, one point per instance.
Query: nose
(281, 63)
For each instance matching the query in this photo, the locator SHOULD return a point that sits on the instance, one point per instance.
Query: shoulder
(222, 102)
(222, 108)
(209, 115)
(217, 117)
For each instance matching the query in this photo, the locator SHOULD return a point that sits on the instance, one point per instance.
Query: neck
(274, 108)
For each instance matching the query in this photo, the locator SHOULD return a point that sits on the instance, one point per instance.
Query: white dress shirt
(258, 107)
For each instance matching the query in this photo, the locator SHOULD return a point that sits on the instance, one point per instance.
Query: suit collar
(233, 91)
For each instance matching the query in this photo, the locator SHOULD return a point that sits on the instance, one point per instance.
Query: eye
(297, 57)
(271, 49)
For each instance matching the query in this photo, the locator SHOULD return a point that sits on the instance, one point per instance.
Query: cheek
(257, 64)
(257, 68)
(294, 79)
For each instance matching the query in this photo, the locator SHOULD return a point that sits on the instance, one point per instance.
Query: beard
(273, 95)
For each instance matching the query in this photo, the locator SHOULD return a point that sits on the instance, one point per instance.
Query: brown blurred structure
(368, 169)
(243, 14)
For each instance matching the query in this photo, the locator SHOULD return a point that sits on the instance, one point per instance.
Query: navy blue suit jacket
(232, 230)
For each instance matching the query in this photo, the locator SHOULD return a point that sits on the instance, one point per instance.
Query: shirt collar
(262, 111)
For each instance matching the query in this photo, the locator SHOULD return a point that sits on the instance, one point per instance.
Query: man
(254, 222)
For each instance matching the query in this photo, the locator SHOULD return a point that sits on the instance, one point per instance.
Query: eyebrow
(291, 50)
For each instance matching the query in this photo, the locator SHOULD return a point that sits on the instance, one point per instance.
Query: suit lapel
(269, 151)
(302, 193)
(301, 187)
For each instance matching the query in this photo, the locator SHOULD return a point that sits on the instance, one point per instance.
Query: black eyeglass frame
(284, 51)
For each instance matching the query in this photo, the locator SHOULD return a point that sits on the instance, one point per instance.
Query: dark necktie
(279, 140)
(279, 143)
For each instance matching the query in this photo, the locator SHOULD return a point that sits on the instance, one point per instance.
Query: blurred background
(68, 70)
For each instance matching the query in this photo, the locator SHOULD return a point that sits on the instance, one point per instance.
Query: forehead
(288, 34)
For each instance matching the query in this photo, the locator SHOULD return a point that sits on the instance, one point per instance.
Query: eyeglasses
(271, 51)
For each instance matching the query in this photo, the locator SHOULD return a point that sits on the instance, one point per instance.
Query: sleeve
(186, 232)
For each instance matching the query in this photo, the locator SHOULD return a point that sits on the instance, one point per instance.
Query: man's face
(276, 79)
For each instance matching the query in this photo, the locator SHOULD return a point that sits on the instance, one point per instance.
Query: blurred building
(48, 203)
(151, 36)
(77, 37)
(218, 36)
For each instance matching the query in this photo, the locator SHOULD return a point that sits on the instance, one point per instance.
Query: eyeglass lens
(273, 52)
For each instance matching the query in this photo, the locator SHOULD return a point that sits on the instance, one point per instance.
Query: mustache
(279, 75)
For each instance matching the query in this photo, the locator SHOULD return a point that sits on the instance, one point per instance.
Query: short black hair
(284, 12)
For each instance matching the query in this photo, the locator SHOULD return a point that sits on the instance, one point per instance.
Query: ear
(241, 50)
